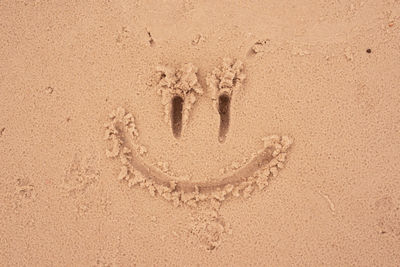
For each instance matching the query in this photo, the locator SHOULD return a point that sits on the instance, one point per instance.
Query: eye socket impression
(222, 82)
(224, 102)
(176, 115)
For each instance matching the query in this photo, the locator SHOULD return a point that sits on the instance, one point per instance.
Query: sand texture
(200, 133)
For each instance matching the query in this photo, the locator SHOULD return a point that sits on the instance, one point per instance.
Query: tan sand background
(64, 65)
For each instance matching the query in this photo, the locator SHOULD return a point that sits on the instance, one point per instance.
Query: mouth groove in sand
(176, 115)
(206, 184)
(224, 102)
(238, 179)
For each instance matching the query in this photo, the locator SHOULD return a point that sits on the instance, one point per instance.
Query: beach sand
(200, 133)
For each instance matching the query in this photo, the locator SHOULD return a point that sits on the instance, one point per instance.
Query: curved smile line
(122, 133)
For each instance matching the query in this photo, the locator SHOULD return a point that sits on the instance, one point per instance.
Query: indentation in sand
(175, 84)
(79, 176)
(151, 40)
(24, 193)
(261, 46)
(208, 227)
(222, 82)
(224, 102)
(24, 189)
(198, 39)
(176, 115)
(122, 136)
(204, 194)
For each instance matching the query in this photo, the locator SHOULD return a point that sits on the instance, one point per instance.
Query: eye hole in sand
(222, 82)
(178, 88)
(224, 102)
(176, 115)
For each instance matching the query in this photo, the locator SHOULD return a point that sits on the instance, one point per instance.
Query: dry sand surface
(200, 133)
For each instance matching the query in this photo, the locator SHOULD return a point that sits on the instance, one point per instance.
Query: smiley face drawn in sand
(178, 89)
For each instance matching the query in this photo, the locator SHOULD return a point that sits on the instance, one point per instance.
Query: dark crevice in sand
(151, 40)
(176, 115)
(224, 102)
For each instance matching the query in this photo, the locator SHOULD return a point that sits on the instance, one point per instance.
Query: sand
(209, 133)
